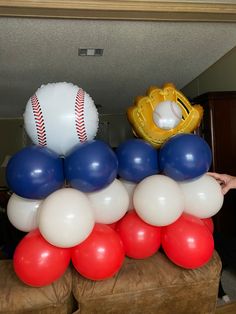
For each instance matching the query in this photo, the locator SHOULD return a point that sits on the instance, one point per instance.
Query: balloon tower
(80, 201)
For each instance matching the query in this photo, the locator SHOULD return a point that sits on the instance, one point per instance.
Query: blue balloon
(185, 156)
(35, 172)
(137, 160)
(91, 166)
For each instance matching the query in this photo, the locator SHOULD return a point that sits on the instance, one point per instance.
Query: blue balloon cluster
(91, 166)
(35, 172)
(137, 160)
(185, 156)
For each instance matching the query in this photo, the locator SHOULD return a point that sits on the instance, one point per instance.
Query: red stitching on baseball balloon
(79, 116)
(39, 121)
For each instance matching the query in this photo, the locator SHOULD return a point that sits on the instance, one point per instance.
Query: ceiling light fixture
(90, 52)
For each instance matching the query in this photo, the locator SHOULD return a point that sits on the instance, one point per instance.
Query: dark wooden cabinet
(218, 128)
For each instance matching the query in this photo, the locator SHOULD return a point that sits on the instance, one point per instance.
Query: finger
(213, 174)
(225, 189)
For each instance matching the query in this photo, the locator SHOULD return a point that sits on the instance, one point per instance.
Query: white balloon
(66, 218)
(203, 196)
(59, 116)
(158, 200)
(109, 204)
(130, 187)
(23, 212)
(167, 114)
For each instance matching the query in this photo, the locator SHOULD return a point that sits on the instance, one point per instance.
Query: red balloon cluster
(188, 242)
(140, 239)
(101, 255)
(38, 263)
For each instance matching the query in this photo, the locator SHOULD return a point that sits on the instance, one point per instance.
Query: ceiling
(137, 54)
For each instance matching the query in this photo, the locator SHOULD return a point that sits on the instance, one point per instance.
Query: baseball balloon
(60, 115)
(167, 115)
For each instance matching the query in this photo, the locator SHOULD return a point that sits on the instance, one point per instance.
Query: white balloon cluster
(159, 200)
(203, 197)
(66, 217)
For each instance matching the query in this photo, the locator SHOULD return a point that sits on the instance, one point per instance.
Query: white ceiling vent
(90, 52)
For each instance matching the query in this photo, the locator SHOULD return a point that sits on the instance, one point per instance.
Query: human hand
(226, 181)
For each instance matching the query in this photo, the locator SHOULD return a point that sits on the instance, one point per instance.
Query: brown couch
(18, 298)
(153, 285)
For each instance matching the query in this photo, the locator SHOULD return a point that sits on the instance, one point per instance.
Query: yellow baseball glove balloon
(141, 117)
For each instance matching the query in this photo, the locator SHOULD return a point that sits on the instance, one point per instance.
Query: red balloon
(38, 263)
(140, 239)
(209, 223)
(101, 255)
(188, 242)
(113, 225)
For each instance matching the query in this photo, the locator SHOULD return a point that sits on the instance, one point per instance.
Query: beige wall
(221, 76)
(114, 129)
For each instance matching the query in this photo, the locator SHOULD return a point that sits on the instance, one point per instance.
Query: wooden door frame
(122, 10)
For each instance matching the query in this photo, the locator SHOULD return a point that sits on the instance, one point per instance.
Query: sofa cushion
(152, 285)
(17, 297)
